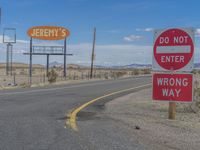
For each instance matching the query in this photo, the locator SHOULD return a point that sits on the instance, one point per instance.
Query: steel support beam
(9, 55)
(30, 64)
(47, 65)
(65, 52)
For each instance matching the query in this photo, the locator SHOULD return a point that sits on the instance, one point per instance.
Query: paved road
(34, 119)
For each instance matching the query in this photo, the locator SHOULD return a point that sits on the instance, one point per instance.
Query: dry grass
(20, 74)
(195, 105)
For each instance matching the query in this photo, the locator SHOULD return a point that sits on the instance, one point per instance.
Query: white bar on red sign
(173, 87)
(172, 49)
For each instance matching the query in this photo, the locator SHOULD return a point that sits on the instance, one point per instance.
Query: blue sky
(124, 27)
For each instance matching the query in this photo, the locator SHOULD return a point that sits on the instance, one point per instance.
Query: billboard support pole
(11, 59)
(30, 62)
(9, 54)
(65, 52)
(7, 60)
(47, 65)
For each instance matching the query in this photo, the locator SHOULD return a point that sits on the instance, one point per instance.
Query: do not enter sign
(173, 50)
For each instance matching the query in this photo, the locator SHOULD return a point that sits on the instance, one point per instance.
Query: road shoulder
(148, 121)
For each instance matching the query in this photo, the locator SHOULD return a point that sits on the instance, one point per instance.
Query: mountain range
(57, 64)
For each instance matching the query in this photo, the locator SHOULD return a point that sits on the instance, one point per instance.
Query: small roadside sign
(173, 50)
(173, 87)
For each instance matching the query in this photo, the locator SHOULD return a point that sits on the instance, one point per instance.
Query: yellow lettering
(37, 32)
(49, 32)
(56, 32)
(64, 33)
(41, 32)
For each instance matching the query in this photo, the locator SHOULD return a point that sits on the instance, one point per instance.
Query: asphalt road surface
(34, 118)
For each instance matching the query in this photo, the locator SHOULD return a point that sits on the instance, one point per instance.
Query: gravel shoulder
(148, 121)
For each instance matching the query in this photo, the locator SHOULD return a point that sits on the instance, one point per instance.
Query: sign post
(172, 110)
(173, 52)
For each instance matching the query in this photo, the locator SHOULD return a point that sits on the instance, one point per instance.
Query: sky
(124, 27)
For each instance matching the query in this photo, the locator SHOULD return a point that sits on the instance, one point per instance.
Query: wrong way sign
(173, 87)
(173, 50)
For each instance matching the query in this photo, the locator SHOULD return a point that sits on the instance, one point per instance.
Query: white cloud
(111, 54)
(145, 29)
(19, 47)
(1, 38)
(22, 41)
(8, 38)
(197, 33)
(148, 29)
(132, 38)
(108, 55)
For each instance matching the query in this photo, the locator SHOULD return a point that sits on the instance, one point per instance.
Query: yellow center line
(71, 121)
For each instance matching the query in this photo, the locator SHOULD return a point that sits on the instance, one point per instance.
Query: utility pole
(92, 58)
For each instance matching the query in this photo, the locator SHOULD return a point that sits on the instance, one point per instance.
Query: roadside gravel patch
(149, 121)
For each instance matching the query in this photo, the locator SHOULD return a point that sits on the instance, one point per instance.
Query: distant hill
(126, 66)
(55, 64)
(138, 66)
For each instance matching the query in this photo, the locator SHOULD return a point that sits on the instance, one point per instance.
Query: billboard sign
(48, 32)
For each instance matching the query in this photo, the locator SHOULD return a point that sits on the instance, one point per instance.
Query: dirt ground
(138, 110)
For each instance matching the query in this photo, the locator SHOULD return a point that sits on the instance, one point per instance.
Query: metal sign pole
(47, 65)
(11, 61)
(9, 54)
(30, 64)
(65, 52)
(7, 60)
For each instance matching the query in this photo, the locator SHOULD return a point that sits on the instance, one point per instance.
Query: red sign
(173, 49)
(173, 87)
